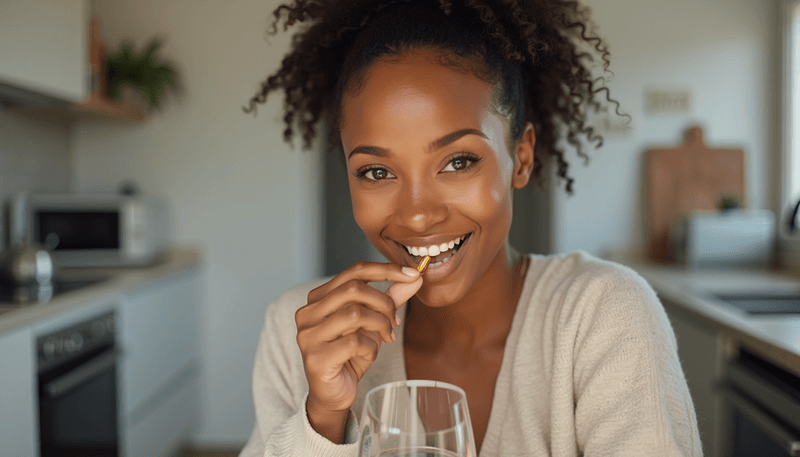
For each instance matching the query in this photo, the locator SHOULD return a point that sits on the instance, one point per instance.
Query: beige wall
(233, 186)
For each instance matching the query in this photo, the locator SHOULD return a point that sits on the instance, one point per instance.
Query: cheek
(488, 202)
(371, 208)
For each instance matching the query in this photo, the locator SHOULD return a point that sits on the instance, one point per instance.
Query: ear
(523, 159)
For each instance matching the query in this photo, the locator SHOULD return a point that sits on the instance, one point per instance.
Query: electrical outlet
(665, 101)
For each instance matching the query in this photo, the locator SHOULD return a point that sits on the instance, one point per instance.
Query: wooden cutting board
(689, 177)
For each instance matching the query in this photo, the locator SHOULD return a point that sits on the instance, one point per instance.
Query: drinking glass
(416, 418)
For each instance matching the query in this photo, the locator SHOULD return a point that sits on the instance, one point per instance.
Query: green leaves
(143, 72)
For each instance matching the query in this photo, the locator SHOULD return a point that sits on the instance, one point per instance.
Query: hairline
(448, 58)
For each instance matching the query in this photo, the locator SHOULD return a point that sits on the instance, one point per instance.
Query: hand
(340, 331)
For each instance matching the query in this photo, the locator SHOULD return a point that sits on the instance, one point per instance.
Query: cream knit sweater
(590, 368)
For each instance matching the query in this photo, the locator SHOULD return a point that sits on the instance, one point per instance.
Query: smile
(440, 253)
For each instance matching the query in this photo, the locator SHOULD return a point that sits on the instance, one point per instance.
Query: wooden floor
(211, 453)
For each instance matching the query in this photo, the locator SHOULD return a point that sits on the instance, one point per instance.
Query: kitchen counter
(774, 336)
(120, 279)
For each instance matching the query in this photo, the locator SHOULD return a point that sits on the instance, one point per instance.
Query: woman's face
(430, 169)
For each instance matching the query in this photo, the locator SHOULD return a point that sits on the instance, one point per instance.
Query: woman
(441, 109)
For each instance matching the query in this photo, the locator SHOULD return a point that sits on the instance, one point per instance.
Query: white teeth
(433, 265)
(434, 249)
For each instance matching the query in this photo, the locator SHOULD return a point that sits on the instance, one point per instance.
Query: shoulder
(591, 291)
(583, 275)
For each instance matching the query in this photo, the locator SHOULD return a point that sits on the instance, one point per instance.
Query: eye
(373, 173)
(461, 162)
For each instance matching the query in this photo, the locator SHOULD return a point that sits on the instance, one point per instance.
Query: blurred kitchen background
(252, 213)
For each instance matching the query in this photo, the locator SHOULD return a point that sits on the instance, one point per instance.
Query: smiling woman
(441, 110)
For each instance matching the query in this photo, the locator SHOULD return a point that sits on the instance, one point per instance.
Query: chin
(440, 295)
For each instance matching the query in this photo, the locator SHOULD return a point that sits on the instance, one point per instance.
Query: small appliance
(90, 229)
(732, 238)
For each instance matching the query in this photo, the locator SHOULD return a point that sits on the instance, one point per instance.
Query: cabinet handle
(74, 378)
(777, 432)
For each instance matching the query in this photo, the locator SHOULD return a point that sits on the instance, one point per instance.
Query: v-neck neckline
(493, 426)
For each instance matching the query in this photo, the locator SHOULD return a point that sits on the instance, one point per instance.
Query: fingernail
(411, 271)
(394, 337)
(397, 320)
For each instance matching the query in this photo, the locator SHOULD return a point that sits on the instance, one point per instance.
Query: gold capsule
(423, 264)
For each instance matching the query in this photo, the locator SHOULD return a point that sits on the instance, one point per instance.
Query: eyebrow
(433, 146)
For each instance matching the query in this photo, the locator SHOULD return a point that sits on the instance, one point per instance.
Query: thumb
(402, 291)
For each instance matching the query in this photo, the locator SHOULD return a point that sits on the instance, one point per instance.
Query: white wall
(726, 53)
(234, 186)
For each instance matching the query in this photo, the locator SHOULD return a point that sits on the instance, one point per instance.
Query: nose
(421, 207)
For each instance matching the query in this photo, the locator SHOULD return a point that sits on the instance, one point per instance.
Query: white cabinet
(160, 366)
(700, 353)
(18, 418)
(44, 46)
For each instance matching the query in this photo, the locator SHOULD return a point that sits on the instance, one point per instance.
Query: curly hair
(536, 53)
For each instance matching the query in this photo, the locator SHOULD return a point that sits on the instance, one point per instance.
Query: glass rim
(416, 383)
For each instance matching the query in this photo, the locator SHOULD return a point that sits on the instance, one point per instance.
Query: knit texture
(590, 368)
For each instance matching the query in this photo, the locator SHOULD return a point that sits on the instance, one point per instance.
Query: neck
(483, 317)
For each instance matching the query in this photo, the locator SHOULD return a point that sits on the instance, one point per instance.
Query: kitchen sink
(761, 302)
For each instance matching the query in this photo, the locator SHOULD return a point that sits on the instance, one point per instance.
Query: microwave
(90, 229)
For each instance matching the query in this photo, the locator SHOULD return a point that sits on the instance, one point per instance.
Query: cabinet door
(18, 416)
(158, 336)
(699, 351)
(44, 46)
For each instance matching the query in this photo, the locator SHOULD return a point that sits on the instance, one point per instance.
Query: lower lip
(444, 269)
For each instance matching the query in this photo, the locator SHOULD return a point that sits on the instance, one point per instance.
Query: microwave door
(77, 230)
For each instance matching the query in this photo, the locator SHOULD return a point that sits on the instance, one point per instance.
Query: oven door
(754, 432)
(762, 409)
(78, 407)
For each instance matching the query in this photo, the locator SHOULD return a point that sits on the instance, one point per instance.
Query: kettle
(26, 264)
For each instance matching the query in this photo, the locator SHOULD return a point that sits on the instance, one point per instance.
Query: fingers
(368, 272)
(401, 292)
(336, 353)
(353, 291)
(354, 317)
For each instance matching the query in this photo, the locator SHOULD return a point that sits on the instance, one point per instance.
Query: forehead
(415, 90)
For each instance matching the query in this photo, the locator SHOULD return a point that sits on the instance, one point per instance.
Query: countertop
(120, 280)
(777, 336)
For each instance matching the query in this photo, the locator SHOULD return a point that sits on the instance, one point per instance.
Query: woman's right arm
(312, 378)
(279, 386)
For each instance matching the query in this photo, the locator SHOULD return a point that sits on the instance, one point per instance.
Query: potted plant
(143, 73)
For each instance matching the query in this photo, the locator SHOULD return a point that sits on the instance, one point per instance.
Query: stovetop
(18, 296)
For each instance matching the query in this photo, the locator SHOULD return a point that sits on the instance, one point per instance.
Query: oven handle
(788, 440)
(74, 378)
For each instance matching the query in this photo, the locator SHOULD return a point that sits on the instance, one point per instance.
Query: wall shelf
(94, 108)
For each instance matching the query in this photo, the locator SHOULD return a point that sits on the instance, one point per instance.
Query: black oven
(761, 408)
(78, 390)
